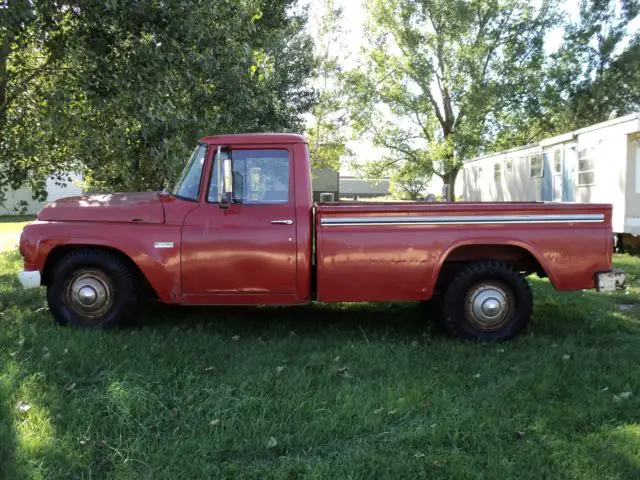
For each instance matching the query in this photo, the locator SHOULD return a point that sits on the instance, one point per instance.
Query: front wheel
(488, 301)
(91, 288)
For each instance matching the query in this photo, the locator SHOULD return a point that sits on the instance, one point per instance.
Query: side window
(259, 176)
(535, 166)
(586, 167)
(508, 164)
(557, 161)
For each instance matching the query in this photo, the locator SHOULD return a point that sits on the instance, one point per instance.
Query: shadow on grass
(316, 319)
(112, 410)
(139, 402)
(347, 396)
(13, 295)
(7, 435)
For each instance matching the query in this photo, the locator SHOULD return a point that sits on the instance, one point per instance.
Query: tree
(34, 38)
(594, 75)
(406, 183)
(194, 69)
(326, 131)
(136, 83)
(444, 77)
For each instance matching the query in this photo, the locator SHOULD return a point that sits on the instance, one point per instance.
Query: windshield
(188, 185)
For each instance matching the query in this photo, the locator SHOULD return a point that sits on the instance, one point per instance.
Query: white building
(14, 198)
(596, 164)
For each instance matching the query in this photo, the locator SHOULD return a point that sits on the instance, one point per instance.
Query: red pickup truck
(240, 228)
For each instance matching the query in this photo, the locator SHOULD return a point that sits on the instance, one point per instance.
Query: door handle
(282, 222)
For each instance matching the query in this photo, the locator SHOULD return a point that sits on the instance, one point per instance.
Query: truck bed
(395, 251)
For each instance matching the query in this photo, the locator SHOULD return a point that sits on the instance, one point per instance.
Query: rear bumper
(29, 279)
(610, 281)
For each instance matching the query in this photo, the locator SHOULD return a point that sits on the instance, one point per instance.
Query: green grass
(10, 229)
(11, 223)
(358, 391)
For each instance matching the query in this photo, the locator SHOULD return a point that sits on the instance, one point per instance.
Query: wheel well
(521, 259)
(61, 251)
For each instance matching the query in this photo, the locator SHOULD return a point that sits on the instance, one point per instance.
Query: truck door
(245, 252)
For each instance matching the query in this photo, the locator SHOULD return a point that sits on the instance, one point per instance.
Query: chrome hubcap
(90, 294)
(87, 296)
(489, 305)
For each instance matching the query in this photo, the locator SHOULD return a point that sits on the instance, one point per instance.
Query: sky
(354, 17)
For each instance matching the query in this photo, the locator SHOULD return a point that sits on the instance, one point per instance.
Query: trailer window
(535, 166)
(586, 167)
(497, 172)
(557, 161)
(477, 173)
(508, 165)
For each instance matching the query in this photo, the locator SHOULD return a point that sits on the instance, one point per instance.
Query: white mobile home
(597, 164)
(15, 200)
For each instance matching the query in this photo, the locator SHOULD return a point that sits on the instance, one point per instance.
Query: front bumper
(29, 279)
(610, 281)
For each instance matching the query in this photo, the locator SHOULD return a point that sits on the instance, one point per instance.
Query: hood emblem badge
(163, 245)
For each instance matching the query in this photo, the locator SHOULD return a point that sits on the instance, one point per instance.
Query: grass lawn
(357, 391)
(10, 229)
(13, 223)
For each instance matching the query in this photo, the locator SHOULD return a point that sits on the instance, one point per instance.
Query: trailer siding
(596, 164)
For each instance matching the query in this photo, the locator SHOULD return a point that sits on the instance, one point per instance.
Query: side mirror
(225, 185)
(227, 182)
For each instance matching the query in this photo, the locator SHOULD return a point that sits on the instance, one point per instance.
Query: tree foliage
(121, 90)
(594, 74)
(405, 184)
(326, 131)
(33, 45)
(448, 75)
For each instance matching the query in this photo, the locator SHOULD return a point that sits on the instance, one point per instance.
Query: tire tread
(458, 287)
(99, 258)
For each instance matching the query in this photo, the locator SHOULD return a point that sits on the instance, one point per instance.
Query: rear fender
(531, 250)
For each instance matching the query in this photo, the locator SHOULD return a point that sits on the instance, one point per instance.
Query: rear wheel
(91, 288)
(488, 301)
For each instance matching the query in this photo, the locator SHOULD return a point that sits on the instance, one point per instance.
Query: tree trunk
(449, 180)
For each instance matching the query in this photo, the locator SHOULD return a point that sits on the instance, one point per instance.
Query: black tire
(432, 309)
(83, 275)
(618, 245)
(480, 290)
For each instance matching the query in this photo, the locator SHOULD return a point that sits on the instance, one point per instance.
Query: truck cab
(246, 237)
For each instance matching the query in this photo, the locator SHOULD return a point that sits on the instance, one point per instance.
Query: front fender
(155, 249)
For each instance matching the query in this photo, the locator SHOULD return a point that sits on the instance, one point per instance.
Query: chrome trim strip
(463, 219)
(163, 245)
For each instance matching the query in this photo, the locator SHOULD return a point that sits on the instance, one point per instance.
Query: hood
(110, 207)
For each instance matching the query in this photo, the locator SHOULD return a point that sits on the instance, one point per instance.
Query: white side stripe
(463, 220)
